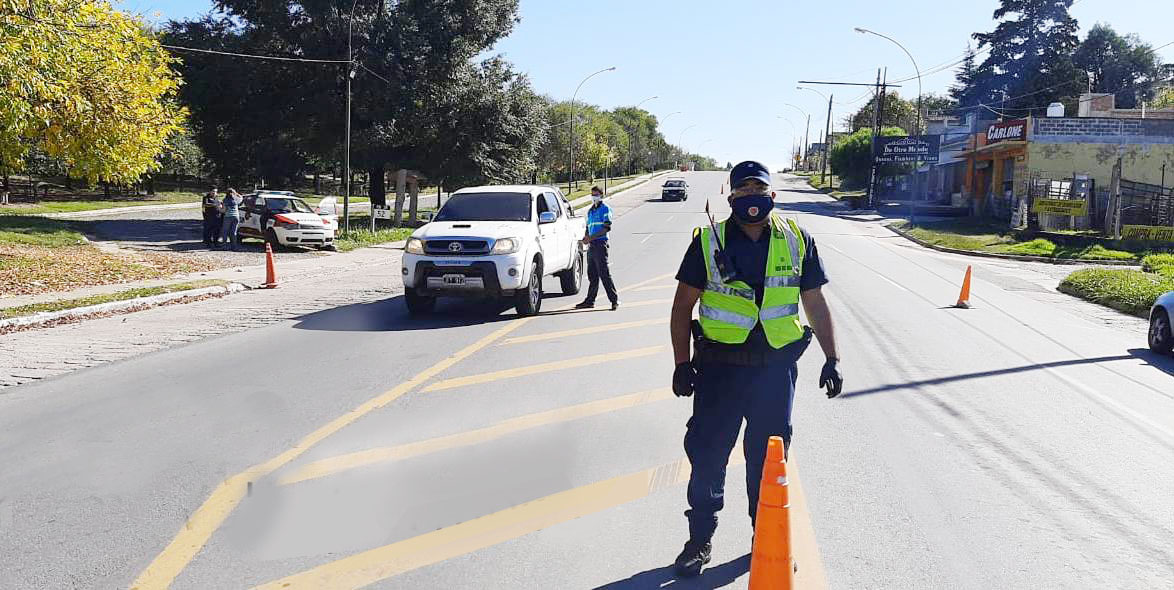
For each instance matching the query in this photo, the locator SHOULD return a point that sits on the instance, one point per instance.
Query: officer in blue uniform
(595, 238)
(753, 380)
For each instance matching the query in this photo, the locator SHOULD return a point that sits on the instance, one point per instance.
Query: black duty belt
(708, 351)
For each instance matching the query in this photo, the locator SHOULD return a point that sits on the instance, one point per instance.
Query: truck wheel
(419, 304)
(528, 300)
(572, 278)
(1161, 339)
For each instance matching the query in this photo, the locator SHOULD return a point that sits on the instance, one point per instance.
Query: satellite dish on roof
(1056, 110)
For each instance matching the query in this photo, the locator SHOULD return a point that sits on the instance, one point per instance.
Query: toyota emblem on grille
(455, 247)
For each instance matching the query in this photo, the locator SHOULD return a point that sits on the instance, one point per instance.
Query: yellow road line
(340, 463)
(656, 287)
(626, 304)
(384, 562)
(583, 331)
(585, 361)
(211, 514)
(368, 567)
(804, 546)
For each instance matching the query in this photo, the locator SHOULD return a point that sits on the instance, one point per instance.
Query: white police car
(1161, 334)
(282, 219)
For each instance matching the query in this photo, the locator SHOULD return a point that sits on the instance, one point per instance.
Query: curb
(1058, 261)
(118, 306)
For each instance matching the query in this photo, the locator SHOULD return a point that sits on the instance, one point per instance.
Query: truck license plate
(454, 280)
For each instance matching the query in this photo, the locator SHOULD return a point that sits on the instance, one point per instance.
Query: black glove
(684, 379)
(831, 379)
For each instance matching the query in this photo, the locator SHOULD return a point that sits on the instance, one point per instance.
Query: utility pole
(827, 140)
(878, 104)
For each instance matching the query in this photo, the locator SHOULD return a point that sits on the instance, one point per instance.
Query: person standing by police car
(749, 277)
(212, 218)
(598, 271)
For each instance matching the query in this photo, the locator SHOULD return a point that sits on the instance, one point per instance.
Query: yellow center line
(585, 361)
(582, 331)
(656, 287)
(340, 463)
(224, 499)
(804, 546)
(362, 569)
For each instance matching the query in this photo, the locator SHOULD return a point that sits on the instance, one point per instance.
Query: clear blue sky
(731, 66)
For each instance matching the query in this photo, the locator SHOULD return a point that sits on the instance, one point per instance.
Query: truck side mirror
(546, 217)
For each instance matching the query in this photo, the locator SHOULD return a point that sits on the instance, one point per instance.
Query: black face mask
(752, 208)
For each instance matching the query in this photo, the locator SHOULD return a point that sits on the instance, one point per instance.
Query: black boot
(692, 558)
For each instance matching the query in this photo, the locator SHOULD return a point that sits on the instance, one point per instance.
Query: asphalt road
(1022, 443)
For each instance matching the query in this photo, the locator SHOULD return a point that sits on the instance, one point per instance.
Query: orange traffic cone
(964, 297)
(270, 270)
(772, 566)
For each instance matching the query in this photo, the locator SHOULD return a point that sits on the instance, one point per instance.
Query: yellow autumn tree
(87, 84)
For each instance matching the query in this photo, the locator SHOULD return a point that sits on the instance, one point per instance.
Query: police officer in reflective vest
(750, 273)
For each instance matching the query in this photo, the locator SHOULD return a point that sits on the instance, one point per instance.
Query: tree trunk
(401, 179)
(105, 190)
(151, 185)
(414, 200)
(377, 187)
(317, 182)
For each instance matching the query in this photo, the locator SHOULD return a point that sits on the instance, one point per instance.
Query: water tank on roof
(1056, 110)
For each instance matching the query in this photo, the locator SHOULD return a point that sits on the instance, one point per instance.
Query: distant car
(1161, 333)
(674, 189)
(282, 219)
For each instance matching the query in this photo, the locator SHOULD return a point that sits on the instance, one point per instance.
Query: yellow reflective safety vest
(729, 310)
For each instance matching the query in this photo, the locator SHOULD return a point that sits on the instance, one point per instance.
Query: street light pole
(664, 144)
(681, 142)
(632, 160)
(917, 129)
(346, 167)
(827, 136)
(806, 135)
(571, 143)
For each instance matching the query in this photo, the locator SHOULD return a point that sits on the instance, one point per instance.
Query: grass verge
(23, 310)
(361, 238)
(978, 235)
(38, 255)
(67, 205)
(1124, 289)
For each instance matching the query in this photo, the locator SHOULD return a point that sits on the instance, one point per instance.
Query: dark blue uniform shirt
(749, 260)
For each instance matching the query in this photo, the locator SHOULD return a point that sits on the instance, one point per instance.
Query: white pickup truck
(495, 242)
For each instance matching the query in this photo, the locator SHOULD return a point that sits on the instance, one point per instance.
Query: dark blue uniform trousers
(725, 395)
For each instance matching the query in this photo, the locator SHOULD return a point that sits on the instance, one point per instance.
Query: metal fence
(1146, 204)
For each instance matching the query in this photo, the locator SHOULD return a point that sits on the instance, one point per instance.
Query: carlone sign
(1007, 131)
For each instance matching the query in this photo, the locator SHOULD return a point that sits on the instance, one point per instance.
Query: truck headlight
(506, 246)
(414, 246)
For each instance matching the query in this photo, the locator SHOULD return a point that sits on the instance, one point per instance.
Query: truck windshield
(486, 207)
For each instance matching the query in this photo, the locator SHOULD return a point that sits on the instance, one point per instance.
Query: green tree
(1030, 55)
(1120, 65)
(898, 111)
(936, 104)
(277, 117)
(962, 90)
(851, 158)
(84, 84)
(1164, 98)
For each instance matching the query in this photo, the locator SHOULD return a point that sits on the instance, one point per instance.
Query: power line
(252, 56)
